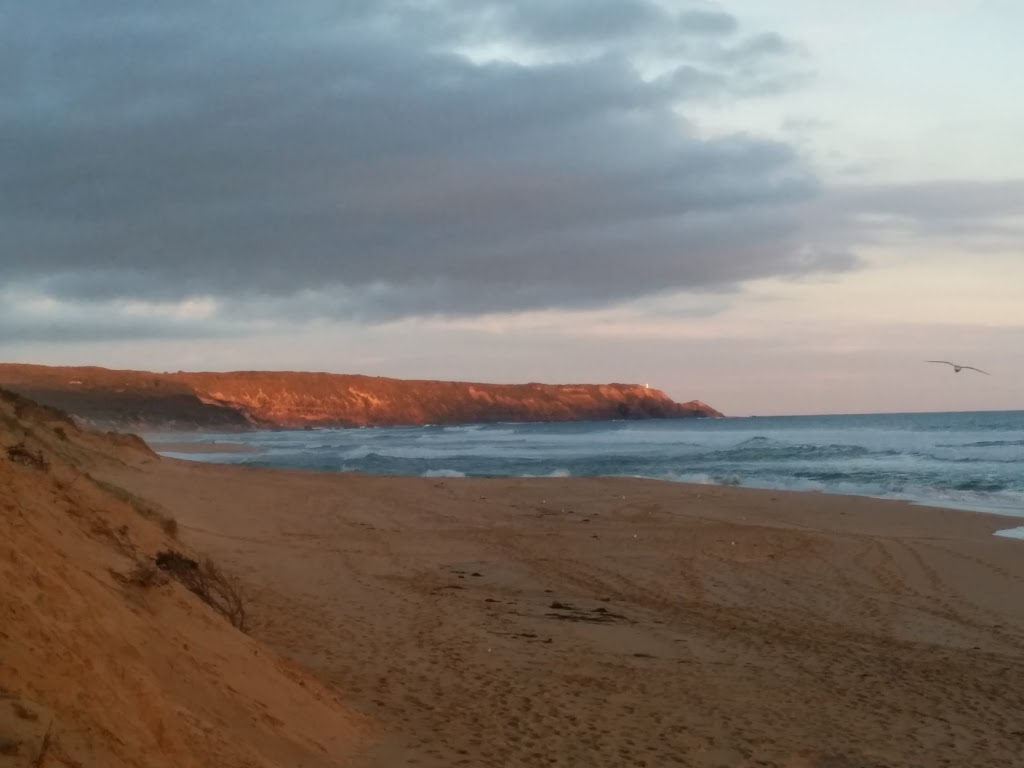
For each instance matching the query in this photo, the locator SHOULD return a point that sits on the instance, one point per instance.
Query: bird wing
(941, 361)
(972, 368)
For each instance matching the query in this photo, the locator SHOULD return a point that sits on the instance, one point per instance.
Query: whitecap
(1011, 533)
(356, 453)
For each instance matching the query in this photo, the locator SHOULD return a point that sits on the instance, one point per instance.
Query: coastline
(617, 621)
(184, 450)
(940, 460)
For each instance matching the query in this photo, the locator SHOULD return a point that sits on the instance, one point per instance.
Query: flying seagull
(958, 368)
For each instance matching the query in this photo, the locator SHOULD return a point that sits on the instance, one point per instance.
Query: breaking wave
(966, 460)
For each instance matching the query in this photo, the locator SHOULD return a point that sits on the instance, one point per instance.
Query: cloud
(937, 203)
(969, 213)
(595, 22)
(31, 318)
(358, 160)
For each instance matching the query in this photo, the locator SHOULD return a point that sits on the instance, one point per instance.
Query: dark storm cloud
(363, 156)
(590, 22)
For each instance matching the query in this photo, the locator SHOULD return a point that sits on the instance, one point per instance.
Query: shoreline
(186, 447)
(618, 621)
(180, 450)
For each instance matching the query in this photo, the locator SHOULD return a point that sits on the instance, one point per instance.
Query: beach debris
(569, 612)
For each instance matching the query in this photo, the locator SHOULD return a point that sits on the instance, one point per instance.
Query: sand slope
(97, 672)
(577, 622)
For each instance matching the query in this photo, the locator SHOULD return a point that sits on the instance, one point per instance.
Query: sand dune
(100, 671)
(575, 622)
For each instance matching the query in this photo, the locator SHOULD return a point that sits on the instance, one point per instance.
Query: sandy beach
(616, 622)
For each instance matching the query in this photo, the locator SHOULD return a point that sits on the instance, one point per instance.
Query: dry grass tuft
(205, 580)
(20, 454)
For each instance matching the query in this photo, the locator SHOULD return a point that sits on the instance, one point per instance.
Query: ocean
(972, 461)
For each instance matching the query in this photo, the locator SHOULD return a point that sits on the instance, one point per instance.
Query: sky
(775, 206)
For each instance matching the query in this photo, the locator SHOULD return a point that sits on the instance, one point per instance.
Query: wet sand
(616, 622)
(185, 447)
